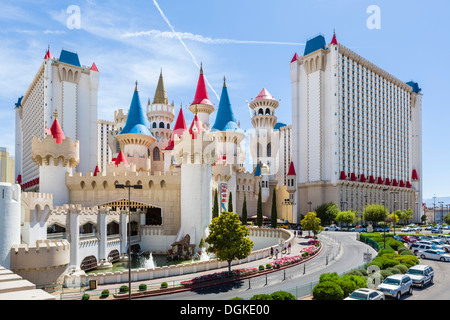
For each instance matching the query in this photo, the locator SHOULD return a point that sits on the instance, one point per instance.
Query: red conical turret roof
(48, 55)
(180, 127)
(96, 171)
(291, 171)
(295, 58)
(57, 132)
(264, 94)
(94, 67)
(334, 40)
(196, 127)
(201, 94)
(121, 159)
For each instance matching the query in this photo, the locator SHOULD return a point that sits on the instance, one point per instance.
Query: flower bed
(220, 276)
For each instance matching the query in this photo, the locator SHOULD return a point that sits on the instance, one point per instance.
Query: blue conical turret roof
(136, 120)
(225, 120)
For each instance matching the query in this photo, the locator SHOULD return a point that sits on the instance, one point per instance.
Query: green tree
(215, 212)
(327, 212)
(311, 223)
(407, 214)
(347, 217)
(446, 218)
(375, 213)
(244, 211)
(424, 218)
(274, 214)
(395, 217)
(228, 239)
(230, 202)
(259, 214)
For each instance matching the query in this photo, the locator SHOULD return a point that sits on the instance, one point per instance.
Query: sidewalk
(298, 244)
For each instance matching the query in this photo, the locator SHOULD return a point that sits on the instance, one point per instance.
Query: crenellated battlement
(44, 254)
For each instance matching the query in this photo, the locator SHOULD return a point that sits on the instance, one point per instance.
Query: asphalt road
(341, 253)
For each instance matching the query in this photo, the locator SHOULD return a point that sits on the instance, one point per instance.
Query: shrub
(385, 251)
(385, 261)
(402, 268)
(268, 266)
(105, 293)
(395, 270)
(329, 277)
(385, 273)
(85, 296)
(328, 290)
(282, 295)
(142, 287)
(164, 285)
(350, 283)
(261, 296)
(358, 272)
(261, 267)
(123, 289)
(237, 298)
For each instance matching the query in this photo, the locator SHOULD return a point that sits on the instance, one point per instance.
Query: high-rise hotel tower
(357, 133)
(65, 86)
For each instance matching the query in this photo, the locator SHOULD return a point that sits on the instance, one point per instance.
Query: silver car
(421, 274)
(434, 254)
(366, 294)
(396, 285)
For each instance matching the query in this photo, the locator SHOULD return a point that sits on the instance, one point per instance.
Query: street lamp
(434, 208)
(129, 187)
(310, 203)
(384, 204)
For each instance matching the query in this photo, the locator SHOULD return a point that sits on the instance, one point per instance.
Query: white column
(123, 233)
(74, 227)
(102, 216)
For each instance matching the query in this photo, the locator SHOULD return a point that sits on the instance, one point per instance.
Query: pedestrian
(271, 252)
(289, 248)
(276, 253)
(284, 248)
(301, 233)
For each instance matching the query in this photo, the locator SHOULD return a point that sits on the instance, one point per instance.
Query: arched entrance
(88, 263)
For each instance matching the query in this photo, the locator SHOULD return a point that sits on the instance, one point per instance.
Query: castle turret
(160, 115)
(135, 138)
(10, 213)
(56, 155)
(195, 150)
(201, 105)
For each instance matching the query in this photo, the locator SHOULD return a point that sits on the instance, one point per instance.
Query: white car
(396, 285)
(421, 274)
(440, 243)
(332, 228)
(434, 254)
(407, 229)
(366, 294)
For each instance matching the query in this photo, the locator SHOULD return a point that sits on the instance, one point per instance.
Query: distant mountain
(430, 202)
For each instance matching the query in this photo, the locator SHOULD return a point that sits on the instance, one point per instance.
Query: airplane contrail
(184, 45)
(200, 38)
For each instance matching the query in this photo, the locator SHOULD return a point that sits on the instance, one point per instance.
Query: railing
(57, 236)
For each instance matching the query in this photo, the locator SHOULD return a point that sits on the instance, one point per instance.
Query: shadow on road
(221, 288)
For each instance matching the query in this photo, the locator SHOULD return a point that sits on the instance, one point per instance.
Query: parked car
(398, 238)
(381, 229)
(432, 244)
(416, 247)
(417, 229)
(396, 285)
(445, 238)
(436, 230)
(434, 255)
(406, 229)
(366, 294)
(332, 228)
(445, 246)
(409, 239)
(421, 274)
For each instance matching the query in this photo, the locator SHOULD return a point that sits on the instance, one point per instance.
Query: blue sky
(249, 42)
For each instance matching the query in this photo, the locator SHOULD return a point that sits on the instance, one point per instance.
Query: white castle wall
(9, 220)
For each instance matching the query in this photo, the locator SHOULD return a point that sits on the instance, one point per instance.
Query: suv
(421, 274)
(415, 247)
(365, 294)
(396, 285)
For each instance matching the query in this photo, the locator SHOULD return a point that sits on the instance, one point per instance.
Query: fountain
(150, 263)
(202, 256)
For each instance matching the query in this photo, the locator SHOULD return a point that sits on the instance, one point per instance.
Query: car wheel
(443, 259)
(398, 295)
(422, 256)
(431, 280)
(410, 290)
(422, 285)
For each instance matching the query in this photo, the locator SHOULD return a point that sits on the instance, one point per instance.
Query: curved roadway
(341, 252)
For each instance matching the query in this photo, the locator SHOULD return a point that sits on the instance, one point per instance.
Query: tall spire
(224, 112)
(56, 129)
(334, 40)
(201, 94)
(160, 94)
(136, 120)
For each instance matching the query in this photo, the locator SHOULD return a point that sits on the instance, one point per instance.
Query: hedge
(328, 290)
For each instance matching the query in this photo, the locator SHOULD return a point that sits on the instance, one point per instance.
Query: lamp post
(384, 204)
(434, 208)
(129, 187)
(395, 202)
(442, 211)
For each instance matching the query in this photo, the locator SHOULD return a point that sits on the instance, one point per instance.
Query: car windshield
(413, 271)
(359, 296)
(391, 281)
